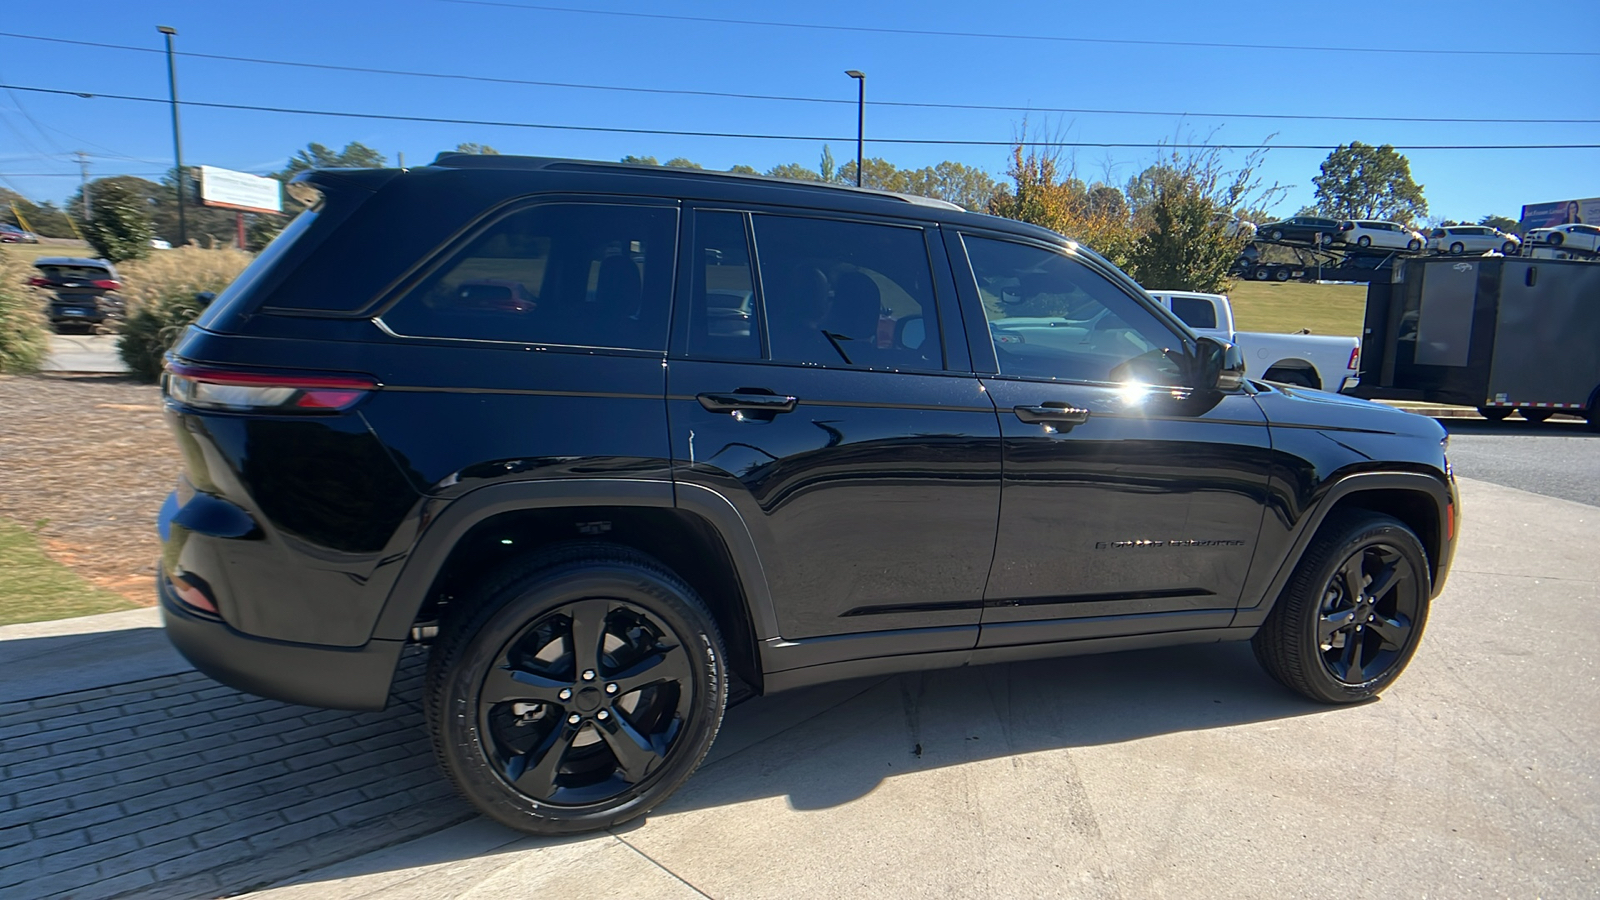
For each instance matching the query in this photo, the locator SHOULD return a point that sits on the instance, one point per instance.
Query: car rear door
(838, 414)
(1130, 503)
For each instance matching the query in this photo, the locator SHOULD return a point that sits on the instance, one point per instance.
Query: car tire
(1322, 638)
(1457, 248)
(1495, 413)
(628, 720)
(1509, 248)
(1555, 238)
(1277, 234)
(1364, 241)
(1281, 275)
(1413, 245)
(1261, 274)
(1536, 415)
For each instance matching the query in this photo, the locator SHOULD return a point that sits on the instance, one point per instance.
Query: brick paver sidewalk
(180, 787)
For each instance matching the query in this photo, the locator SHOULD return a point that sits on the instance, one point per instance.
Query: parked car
(1321, 362)
(1561, 240)
(1459, 239)
(604, 514)
(1301, 230)
(1380, 234)
(11, 234)
(83, 292)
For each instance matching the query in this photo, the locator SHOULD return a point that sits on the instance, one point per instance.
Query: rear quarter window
(579, 274)
(1195, 312)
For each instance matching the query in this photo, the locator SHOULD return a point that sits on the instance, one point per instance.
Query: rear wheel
(1536, 415)
(1555, 238)
(1261, 274)
(1364, 241)
(577, 691)
(1413, 245)
(1281, 275)
(1352, 614)
(1457, 248)
(1277, 234)
(1509, 248)
(1494, 413)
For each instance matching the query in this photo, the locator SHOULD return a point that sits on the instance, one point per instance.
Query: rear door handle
(742, 402)
(1052, 413)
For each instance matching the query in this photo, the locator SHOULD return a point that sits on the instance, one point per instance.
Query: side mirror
(1219, 366)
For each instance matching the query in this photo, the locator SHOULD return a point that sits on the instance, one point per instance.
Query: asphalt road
(1559, 458)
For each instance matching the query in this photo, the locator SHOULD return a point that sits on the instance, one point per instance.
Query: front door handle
(1052, 413)
(740, 401)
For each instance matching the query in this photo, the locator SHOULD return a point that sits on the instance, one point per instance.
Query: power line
(832, 101)
(919, 32)
(768, 137)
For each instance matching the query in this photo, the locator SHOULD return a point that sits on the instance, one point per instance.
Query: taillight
(1355, 357)
(106, 284)
(288, 392)
(39, 281)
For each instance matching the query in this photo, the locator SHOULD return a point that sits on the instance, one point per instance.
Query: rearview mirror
(1219, 366)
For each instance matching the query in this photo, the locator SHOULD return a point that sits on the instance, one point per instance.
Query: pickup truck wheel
(577, 690)
(1352, 614)
(1494, 413)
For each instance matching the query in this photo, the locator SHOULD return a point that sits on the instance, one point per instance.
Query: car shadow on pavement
(833, 744)
(179, 786)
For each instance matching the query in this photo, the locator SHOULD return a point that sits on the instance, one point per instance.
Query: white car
(1566, 237)
(1459, 239)
(1316, 361)
(1375, 233)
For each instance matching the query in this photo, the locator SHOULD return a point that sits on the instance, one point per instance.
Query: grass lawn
(27, 253)
(35, 588)
(1334, 309)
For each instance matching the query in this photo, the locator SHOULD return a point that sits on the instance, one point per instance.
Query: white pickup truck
(1305, 360)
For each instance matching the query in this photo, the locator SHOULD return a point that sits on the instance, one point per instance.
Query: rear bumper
(313, 675)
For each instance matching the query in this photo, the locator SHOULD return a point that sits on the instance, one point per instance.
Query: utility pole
(861, 116)
(83, 166)
(177, 135)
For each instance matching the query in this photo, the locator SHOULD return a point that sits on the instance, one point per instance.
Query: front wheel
(1413, 245)
(1510, 248)
(1364, 241)
(576, 691)
(1352, 614)
(1457, 248)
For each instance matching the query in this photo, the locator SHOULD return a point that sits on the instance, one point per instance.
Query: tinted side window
(564, 273)
(1195, 312)
(847, 293)
(1051, 316)
(722, 307)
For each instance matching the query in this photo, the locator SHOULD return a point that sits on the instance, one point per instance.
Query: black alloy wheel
(1352, 614)
(583, 689)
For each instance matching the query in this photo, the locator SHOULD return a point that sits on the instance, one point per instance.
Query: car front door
(819, 381)
(1131, 502)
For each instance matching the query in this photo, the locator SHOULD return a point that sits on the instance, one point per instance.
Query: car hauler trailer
(1503, 334)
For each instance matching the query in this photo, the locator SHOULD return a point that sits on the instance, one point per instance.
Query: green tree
(742, 169)
(119, 227)
(641, 160)
(1045, 193)
(827, 168)
(355, 155)
(679, 162)
(478, 149)
(1361, 181)
(1183, 242)
(1107, 200)
(966, 186)
(1503, 223)
(41, 218)
(796, 172)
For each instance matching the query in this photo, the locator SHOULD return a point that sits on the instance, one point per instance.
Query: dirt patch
(85, 463)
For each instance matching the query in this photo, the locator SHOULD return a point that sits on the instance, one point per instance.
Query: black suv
(619, 440)
(83, 291)
(1301, 230)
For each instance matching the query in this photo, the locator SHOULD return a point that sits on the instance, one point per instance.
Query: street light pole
(177, 135)
(861, 115)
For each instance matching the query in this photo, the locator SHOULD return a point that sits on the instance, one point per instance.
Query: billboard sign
(238, 190)
(1561, 212)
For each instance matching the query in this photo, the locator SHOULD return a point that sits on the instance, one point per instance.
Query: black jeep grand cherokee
(610, 437)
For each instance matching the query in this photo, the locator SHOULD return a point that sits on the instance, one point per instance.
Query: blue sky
(39, 131)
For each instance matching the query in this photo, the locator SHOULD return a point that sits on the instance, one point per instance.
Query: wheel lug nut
(574, 719)
(602, 715)
(1372, 618)
(588, 674)
(566, 694)
(611, 688)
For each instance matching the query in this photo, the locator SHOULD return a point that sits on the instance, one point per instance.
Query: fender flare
(459, 516)
(1435, 489)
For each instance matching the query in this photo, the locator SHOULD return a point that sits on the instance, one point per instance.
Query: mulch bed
(85, 462)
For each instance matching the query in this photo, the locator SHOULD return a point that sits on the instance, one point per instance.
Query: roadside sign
(228, 189)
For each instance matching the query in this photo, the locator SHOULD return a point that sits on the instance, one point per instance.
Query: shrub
(120, 227)
(161, 300)
(24, 333)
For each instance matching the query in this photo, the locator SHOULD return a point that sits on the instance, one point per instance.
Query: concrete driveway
(84, 353)
(1180, 773)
